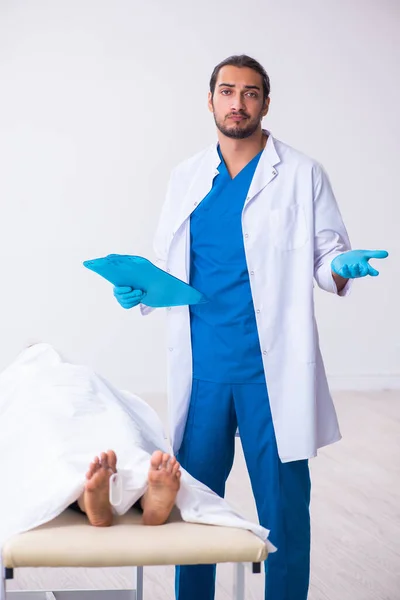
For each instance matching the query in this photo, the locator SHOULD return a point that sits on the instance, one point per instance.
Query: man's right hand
(128, 297)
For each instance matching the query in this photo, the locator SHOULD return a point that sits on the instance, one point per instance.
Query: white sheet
(54, 418)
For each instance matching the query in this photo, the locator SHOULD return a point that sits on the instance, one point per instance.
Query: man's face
(238, 102)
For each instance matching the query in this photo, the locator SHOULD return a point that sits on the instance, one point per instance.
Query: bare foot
(164, 482)
(95, 501)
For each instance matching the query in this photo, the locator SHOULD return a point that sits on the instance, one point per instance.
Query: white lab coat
(292, 229)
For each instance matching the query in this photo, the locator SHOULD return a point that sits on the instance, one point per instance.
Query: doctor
(251, 222)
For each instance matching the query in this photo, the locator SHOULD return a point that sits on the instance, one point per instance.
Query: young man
(250, 222)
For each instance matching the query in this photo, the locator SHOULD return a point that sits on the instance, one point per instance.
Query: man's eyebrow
(232, 85)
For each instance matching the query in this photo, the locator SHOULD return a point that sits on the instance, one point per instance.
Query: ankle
(81, 502)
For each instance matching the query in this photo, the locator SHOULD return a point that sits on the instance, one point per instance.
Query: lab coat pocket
(288, 227)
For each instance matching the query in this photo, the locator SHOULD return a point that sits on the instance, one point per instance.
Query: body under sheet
(54, 418)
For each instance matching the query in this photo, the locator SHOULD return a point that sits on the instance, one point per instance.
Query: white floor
(355, 516)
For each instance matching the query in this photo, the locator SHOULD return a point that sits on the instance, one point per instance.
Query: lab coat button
(246, 235)
(170, 349)
(251, 272)
(265, 352)
(196, 203)
(258, 312)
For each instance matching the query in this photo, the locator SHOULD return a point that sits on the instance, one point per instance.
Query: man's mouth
(237, 118)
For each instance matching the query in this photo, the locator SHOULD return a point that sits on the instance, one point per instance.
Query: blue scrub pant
(281, 490)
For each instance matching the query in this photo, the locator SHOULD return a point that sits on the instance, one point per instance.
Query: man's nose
(237, 102)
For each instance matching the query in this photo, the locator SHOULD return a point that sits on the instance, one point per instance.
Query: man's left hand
(354, 263)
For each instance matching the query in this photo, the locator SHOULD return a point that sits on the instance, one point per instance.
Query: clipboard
(162, 289)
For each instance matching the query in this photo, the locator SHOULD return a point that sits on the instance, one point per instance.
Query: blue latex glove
(127, 297)
(354, 263)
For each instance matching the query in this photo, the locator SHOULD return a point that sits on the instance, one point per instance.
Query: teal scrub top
(225, 343)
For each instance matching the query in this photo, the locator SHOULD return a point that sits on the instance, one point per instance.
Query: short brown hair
(242, 60)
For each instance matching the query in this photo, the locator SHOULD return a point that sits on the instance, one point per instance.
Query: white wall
(99, 100)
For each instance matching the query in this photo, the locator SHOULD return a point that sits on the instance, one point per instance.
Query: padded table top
(69, 541)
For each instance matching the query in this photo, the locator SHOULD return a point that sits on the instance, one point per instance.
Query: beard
(238, 131)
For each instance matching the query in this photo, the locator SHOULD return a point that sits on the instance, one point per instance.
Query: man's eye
(251, 94)
(225, 92)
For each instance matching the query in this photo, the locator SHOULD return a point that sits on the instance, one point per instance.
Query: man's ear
(266, 107)
(210, 102)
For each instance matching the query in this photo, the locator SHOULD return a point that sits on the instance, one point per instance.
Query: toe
(93, 467)
(156, 460)
(170, 465)
(104, 460)
(176, 468)
(112, 460)
(165, 461)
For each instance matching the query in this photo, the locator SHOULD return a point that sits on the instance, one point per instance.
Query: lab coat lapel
(200, 186)
(265, 171)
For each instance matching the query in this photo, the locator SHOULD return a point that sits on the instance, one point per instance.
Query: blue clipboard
(162, 289)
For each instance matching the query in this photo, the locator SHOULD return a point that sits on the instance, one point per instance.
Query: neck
(237, 153)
